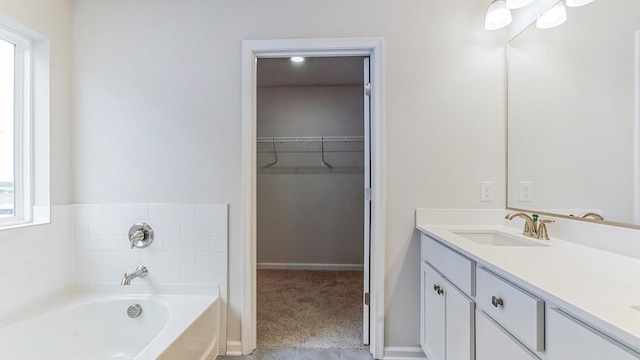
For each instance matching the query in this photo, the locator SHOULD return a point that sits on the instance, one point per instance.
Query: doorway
(252, 50)
(312, 169)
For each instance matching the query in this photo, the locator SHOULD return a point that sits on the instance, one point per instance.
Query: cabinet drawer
(519, 312)
(455, 267)
(567, 338)
(494, 343)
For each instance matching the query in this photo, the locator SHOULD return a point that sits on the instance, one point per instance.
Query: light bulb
(297, 59)
(552, 17)
(498, 16)
(576, 3)
(517, 4)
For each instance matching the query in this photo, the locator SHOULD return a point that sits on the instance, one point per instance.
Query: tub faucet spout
(141, 271)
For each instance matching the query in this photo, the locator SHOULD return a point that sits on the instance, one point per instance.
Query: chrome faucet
(532, 228)
(141, 271)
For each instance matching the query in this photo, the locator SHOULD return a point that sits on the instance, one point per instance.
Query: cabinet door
(494, 343)
(569, 339)
(432, 316)
(459, 325)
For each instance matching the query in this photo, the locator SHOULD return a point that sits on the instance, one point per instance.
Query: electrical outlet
(486, 191)
(526, 191)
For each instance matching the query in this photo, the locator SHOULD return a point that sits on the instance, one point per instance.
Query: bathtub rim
(188, 307)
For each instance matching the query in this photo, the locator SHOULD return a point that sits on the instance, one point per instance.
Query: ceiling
(314, 71)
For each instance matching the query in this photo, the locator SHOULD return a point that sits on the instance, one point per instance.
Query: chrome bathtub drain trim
(134, 311)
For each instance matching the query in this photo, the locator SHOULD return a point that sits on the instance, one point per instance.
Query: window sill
(41, 216)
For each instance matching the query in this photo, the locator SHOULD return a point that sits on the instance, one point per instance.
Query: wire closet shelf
(324, 147)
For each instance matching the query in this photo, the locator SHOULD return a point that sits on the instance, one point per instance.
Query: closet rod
(316, 144)
(283, 139)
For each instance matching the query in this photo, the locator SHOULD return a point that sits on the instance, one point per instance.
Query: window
(7, 125)
(24, 126)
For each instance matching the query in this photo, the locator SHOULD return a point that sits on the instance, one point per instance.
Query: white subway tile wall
(36, 261)
(190, 246)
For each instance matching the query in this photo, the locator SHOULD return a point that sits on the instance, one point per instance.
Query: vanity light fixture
(517, 4)
(297, 59)
(576, 3)
(498, 15)
(552, 17)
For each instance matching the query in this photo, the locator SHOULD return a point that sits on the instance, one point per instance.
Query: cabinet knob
(437, 289)
(496, 301)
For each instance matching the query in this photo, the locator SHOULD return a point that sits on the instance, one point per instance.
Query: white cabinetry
(460, 322)
(455, 267)
(494, 343)
(447, 316)
(432, 317)
(567, 338)
(521, 313)
(511, 322)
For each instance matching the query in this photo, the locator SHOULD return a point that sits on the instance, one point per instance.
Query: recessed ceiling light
(297, 59)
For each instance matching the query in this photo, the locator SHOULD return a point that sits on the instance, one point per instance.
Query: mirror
(573, 94)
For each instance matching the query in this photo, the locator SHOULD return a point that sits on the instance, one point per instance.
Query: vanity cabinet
(468, 312)
(568, 338)
(494, 343)
(518, 311)
(456, 268)
(432, 304)
(446, 316)
(460, 325)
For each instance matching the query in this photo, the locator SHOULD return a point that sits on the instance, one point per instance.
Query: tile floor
(302, 354)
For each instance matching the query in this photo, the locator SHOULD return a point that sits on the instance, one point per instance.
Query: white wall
(157, 111)
(308, 213)
(36, 261)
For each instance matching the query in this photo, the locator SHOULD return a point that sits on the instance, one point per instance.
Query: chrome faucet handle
(543, 233)
(140, 235)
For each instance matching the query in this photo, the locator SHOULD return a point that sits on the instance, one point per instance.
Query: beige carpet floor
(310, 309)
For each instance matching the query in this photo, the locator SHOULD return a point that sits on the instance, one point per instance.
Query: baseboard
(403, 353)
(326, 267)
(234, 348)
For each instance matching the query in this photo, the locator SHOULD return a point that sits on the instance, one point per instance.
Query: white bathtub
(96, 327)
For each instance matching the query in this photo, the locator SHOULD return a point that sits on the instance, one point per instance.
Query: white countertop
(594, 285)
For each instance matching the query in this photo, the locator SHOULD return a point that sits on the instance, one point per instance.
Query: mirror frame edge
(567, 217)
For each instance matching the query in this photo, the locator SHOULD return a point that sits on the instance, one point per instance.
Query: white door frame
(251, 51)
(636, 182)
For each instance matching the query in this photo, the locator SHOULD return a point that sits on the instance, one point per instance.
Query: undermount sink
(495, 238)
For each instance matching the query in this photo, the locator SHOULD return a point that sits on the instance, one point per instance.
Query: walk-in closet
(311, 209)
